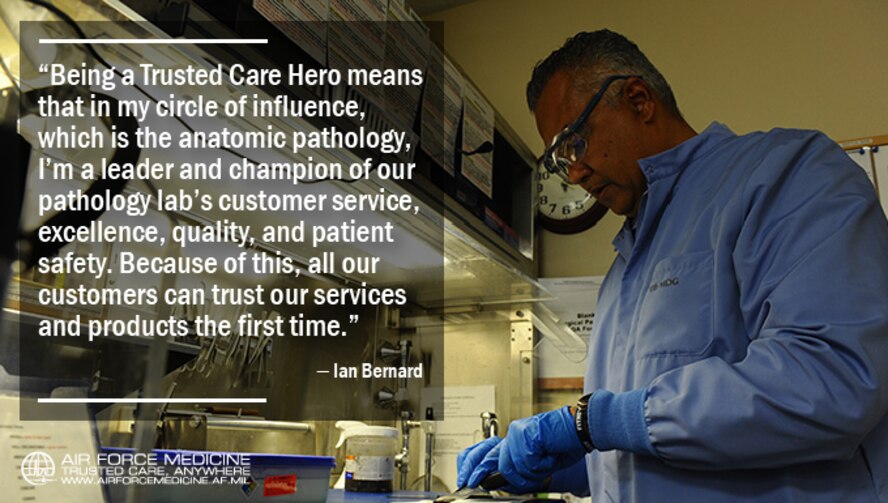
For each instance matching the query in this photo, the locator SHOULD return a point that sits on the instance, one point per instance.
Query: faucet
(402, 459)
(489, 424)
(430, 447)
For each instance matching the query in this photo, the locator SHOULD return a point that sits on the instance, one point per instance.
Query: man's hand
(535, 448)
(470, 458)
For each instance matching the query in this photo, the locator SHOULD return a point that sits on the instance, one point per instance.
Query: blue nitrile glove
(485, 467)
(471, 457)
(535, 448)
(490, 464)
(573, 479)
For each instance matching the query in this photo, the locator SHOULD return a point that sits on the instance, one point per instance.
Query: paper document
(461, 428)
(575, 305)
(34, 453)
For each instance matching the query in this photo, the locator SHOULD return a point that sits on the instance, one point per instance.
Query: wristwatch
(581, 422)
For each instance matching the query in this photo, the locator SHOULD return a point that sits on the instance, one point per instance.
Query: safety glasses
(569, 145)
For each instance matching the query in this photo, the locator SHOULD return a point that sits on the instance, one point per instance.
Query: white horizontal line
(152, 400)
(322, 371)
(168, 41)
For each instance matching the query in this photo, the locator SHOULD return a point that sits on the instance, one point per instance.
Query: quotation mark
(44, 67)
(353, 318)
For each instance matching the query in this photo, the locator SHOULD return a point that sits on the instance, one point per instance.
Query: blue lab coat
(741, 334)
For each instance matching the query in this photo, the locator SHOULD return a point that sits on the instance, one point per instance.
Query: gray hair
(589, 57)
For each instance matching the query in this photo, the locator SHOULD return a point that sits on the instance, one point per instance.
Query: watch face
(565, 208)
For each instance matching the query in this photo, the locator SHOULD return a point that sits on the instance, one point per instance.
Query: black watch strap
(581, 422)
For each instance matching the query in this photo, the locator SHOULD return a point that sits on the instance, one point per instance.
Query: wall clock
(564, 208)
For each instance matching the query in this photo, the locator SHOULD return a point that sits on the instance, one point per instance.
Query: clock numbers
(565, 208)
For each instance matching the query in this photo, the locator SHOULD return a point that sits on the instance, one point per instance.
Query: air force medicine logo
(37, 468)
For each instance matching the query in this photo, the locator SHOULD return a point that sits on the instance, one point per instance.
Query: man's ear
(640, 98)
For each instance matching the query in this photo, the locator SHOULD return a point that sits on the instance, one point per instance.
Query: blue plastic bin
(272, 477)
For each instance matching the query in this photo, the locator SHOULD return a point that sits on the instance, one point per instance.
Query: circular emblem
(37, 468)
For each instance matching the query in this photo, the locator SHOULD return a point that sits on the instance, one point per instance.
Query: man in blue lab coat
(740, 347)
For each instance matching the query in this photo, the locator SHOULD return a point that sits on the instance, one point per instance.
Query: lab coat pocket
(675, 318)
